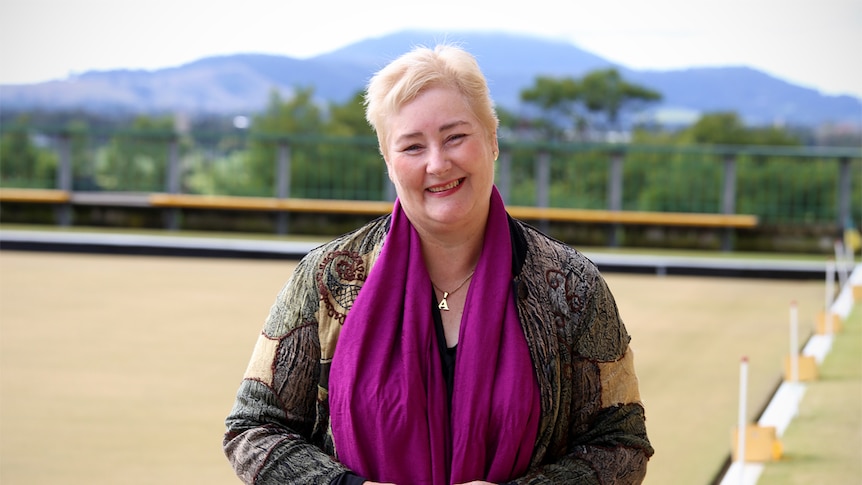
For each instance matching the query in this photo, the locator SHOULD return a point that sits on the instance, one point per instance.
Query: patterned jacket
(592, 424)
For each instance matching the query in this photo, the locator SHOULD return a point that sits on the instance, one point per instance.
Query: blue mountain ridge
(242, 83)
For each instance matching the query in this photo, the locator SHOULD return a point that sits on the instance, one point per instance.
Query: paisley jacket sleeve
(592, 428)
(278, 430)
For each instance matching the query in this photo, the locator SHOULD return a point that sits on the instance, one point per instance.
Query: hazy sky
(814, 43)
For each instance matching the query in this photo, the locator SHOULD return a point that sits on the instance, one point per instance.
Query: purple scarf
(388, 400)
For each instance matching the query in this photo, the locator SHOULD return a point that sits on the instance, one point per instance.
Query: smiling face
(441, 160)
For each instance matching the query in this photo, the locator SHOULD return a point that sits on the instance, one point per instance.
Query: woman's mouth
(442, 188)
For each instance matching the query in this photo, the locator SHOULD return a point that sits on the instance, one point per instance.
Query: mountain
(242, 83)
(757, 96)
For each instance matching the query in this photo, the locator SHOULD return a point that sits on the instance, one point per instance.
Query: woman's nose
(437, 163)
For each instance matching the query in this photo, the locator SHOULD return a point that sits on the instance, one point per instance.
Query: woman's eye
(457, 137)
(412, 148)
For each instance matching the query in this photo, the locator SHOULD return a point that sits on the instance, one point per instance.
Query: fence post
(543, 182)
(615, 194)
(844, 190)
(63, 213)
(728, 198)
(504, 175)
(282, 184)
(173, 181)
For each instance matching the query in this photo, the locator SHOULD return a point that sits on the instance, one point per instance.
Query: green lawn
(823, 444)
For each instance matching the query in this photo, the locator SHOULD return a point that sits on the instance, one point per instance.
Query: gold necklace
(443, 305)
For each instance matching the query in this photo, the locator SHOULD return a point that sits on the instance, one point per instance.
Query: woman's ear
(495, 145)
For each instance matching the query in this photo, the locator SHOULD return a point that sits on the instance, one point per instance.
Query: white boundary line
(784, 405)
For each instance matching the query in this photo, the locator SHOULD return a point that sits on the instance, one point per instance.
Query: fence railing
(798, 185)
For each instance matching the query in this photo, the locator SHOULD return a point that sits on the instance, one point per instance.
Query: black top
(447, 354)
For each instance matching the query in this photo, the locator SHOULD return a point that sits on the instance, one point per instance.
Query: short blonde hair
(403, 79)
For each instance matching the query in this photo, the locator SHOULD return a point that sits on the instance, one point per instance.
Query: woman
(470, 347)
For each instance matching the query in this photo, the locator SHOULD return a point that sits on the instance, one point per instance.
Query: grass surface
(688, 335)
(121, 369)
(823, 444)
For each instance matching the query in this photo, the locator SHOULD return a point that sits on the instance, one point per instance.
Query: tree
(557, 100)
(595, 101)
(774, 136)
(722, 128)
(347, 166)
(297, 116)
(605, 92)
(726, 128)
(22, 162)
(137, 159)
(348, 119)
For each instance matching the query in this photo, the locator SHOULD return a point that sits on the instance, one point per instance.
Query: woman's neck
(450, 260)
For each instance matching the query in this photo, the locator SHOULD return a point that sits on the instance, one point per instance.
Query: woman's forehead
(435, 110)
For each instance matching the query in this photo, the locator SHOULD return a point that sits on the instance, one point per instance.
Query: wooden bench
(219, 202)
(35, 196)
(184, 201)
(644, 218)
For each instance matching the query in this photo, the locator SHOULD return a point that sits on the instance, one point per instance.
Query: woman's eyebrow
(449, 126)
(418, 134)
(408, 136)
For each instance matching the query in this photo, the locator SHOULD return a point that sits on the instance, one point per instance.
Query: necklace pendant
(443, 305)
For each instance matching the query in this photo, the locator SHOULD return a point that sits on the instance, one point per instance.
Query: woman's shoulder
(573, 286)
(360, 243)
(545, 251)
(326, 276)
(332, 273)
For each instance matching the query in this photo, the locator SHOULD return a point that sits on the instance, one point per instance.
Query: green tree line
(333, 153)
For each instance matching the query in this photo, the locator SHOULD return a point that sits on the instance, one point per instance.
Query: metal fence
(800, 185)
